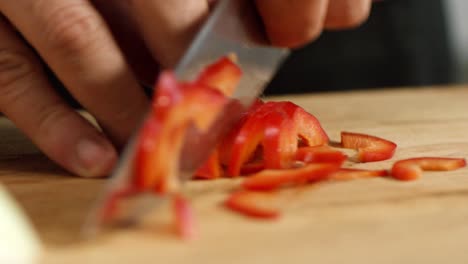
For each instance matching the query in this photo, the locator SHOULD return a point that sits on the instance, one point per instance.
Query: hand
(98, 49)
(294, 23)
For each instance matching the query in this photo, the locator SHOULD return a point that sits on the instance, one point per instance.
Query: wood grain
(362, 221)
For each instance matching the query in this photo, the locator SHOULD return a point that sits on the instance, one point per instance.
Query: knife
(233, 27)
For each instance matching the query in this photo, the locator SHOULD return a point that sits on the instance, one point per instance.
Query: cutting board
(377, 220)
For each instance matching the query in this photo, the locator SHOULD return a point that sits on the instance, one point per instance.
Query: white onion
(19, 243)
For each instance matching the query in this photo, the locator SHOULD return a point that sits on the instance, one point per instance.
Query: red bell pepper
(411, 169)
(370, 148)
(254, 204)
(273, 179)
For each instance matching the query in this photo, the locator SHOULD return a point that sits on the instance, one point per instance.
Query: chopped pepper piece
(411, 169)
(370, 148)
(273, 179)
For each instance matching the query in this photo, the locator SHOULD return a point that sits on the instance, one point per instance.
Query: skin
(103, 50)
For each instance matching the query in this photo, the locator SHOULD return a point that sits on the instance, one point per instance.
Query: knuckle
(313, 31)
(14, 66)
(304, 36)
(354, 19)
(49, 117)
(349, 17)
(296, 36)
(71, 29)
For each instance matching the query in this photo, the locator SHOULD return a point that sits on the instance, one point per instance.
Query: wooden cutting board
(363, 221)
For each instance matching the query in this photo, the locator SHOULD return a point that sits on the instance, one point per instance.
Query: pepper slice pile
(271, 132)
(275, 145)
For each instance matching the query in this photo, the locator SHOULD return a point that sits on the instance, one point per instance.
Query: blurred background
(404, 43)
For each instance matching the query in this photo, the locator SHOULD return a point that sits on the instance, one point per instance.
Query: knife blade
(233, 27)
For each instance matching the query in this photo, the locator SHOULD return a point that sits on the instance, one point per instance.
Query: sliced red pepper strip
(184, 218)
(273, 179)
(200, 106)
(254, 204)
(211, 169)
(225, 146)
(150, 164)
(411, 169)
(247, 138)
(223, 75)
(344, 174)
(175, 107)
(280, 141)
(320, 154)
(370, 148)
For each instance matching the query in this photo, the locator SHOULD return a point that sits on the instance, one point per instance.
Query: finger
(168, 26)
(347, 13)
(126, 33)
(292, 23)
(77, 45)
(30, 102)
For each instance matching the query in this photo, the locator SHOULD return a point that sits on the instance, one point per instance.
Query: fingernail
(95, 157)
